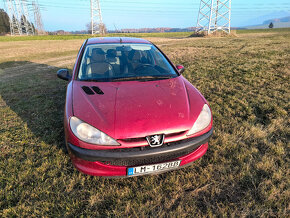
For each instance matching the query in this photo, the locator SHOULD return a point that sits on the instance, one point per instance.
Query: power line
(190, 3)
(144, 4)
(158, 9)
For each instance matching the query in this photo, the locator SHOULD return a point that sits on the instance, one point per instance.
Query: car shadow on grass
(37, 96)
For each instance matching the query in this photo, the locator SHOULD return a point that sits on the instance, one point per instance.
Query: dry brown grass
(36, 50)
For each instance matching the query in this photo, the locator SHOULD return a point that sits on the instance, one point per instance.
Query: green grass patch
(274, 30)
(137, 35)
(72, 37)
(44, 37)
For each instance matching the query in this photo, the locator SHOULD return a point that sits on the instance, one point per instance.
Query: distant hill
(260, 19)
(283, 22)
(278, 20)
(154, 30)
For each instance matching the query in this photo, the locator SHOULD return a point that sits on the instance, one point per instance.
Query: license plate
(153, 168)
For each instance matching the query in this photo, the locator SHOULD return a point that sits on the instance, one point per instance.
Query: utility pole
(214, 15)
(97, 25)
(37, 18)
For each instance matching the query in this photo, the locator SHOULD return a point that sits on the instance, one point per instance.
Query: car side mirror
(180, 69)
(64, 74)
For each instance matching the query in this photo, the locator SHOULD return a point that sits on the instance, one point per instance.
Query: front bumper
(115, 162)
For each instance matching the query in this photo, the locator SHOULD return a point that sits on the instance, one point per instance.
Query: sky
(72, 15)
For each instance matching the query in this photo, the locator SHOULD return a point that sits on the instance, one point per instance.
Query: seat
(98, 67)
(112, 55)
(134, 60)
(114, 60)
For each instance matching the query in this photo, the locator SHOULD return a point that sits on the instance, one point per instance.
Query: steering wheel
(142, 66)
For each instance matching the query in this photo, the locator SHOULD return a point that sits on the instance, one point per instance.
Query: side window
(84, 63)
(160, 60)
(79, 54)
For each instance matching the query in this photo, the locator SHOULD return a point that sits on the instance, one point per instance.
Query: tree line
(4, 22)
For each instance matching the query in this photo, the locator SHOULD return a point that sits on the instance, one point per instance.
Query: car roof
(101, 40)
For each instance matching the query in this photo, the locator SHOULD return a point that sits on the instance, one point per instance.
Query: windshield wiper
(141, 78)
(151, 78)
(123, 79)
(93, 80)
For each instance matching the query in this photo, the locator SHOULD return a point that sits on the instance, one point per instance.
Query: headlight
(90, 134)
(203, 120)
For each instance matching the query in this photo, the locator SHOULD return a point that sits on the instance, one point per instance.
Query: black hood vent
(88, 90)
(97, 90)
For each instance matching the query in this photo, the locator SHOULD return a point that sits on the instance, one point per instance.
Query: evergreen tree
(271, 25)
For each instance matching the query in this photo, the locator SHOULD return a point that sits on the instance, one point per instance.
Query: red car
(130, 112)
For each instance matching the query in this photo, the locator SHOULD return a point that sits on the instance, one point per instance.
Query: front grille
(151, 160)
(143, 139)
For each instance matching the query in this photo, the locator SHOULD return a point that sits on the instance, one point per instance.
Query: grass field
(245, 172)
(140, 35)
(84, 36)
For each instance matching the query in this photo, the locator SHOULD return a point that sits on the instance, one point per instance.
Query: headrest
(98, 55)
(134, 55)
(112, 53)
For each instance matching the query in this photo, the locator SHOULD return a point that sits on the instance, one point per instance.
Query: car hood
(132, 109)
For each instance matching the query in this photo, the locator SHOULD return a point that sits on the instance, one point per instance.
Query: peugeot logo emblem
(155, 140)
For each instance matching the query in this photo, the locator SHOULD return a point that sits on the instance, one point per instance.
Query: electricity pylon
(18, 17)
(26, 19)
(214, 15)
(37, 18)
(97, 25)
(15, 25)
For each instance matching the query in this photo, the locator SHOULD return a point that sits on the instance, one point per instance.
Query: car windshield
(124, 62)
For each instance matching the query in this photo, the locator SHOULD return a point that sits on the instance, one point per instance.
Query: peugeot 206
(130, 112)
